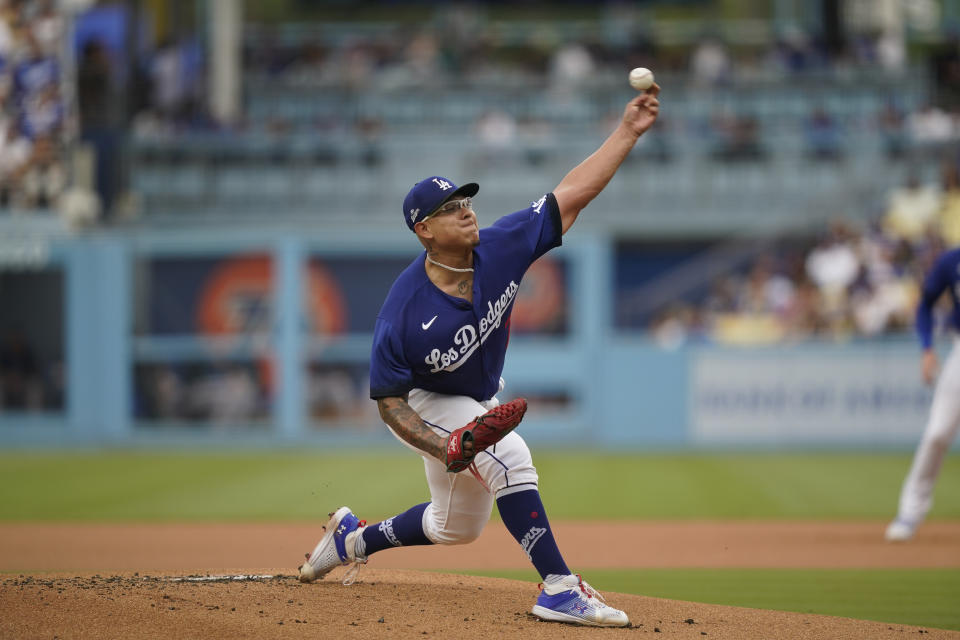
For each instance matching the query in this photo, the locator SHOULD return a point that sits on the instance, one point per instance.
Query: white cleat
(574, 601)
(900, 531)
(336, 547)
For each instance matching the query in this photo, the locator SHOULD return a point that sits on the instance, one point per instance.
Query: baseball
(641, 79)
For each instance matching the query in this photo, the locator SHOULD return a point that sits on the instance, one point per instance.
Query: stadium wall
(588, 381)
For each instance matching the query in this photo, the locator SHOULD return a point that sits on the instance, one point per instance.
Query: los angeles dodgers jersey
(427, 339)
(945, 275)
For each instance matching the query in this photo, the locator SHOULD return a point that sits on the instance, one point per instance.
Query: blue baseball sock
(524, 516)
(403, 530)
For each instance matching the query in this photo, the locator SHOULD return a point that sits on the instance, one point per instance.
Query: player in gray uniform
(438, 352)
(916, 496)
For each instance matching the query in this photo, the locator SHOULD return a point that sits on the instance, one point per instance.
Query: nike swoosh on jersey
(426, 325)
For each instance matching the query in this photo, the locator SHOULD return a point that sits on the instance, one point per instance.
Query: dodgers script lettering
(467, 338)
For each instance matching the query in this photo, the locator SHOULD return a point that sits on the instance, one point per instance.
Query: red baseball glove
(483, 431)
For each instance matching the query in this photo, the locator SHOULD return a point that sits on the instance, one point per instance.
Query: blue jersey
(427, 339)
(945, 275)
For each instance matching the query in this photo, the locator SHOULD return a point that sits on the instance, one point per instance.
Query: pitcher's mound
(385, 603)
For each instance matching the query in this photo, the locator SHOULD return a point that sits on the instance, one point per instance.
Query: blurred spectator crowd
(362, 94)
(461, 45)
(33, 118)
(858, 280)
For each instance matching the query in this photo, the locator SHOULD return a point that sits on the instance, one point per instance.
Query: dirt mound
(386, 603)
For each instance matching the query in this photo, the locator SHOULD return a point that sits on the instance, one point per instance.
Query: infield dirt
(114, 581)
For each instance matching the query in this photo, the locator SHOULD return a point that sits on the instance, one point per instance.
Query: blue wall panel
(644, 395)
(598, 388)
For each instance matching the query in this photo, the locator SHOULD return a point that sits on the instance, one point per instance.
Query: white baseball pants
(916, 497)
(460, 505)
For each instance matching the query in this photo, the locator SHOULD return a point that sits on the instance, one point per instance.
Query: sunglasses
(451, 206)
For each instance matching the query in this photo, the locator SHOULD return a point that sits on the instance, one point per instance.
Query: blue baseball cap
(428, 194)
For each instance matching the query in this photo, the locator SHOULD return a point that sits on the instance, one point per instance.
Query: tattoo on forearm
(410, 427)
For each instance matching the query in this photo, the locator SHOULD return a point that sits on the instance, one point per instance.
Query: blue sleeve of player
(539, 223)
(933, 286)
(390, 375)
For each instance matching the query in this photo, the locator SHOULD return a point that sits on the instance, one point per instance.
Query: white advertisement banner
(842, 396)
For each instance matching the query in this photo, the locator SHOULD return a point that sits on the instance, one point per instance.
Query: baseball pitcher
(438, 351)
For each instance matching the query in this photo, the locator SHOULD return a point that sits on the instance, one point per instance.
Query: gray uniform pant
(916, 497)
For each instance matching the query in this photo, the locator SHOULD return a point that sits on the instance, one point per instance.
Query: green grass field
(121, 486)
(288, 486)
(921, 597)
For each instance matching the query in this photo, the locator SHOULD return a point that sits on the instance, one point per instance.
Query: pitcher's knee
(516, 479)
(453, 536)
(512, 466)
(443, 528)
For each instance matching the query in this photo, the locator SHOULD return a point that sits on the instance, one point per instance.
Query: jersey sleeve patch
(538, 226)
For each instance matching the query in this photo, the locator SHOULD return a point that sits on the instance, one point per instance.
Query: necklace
(443, 266)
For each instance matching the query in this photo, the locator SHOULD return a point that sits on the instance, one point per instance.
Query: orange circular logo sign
(238, 298)
(540, 300)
